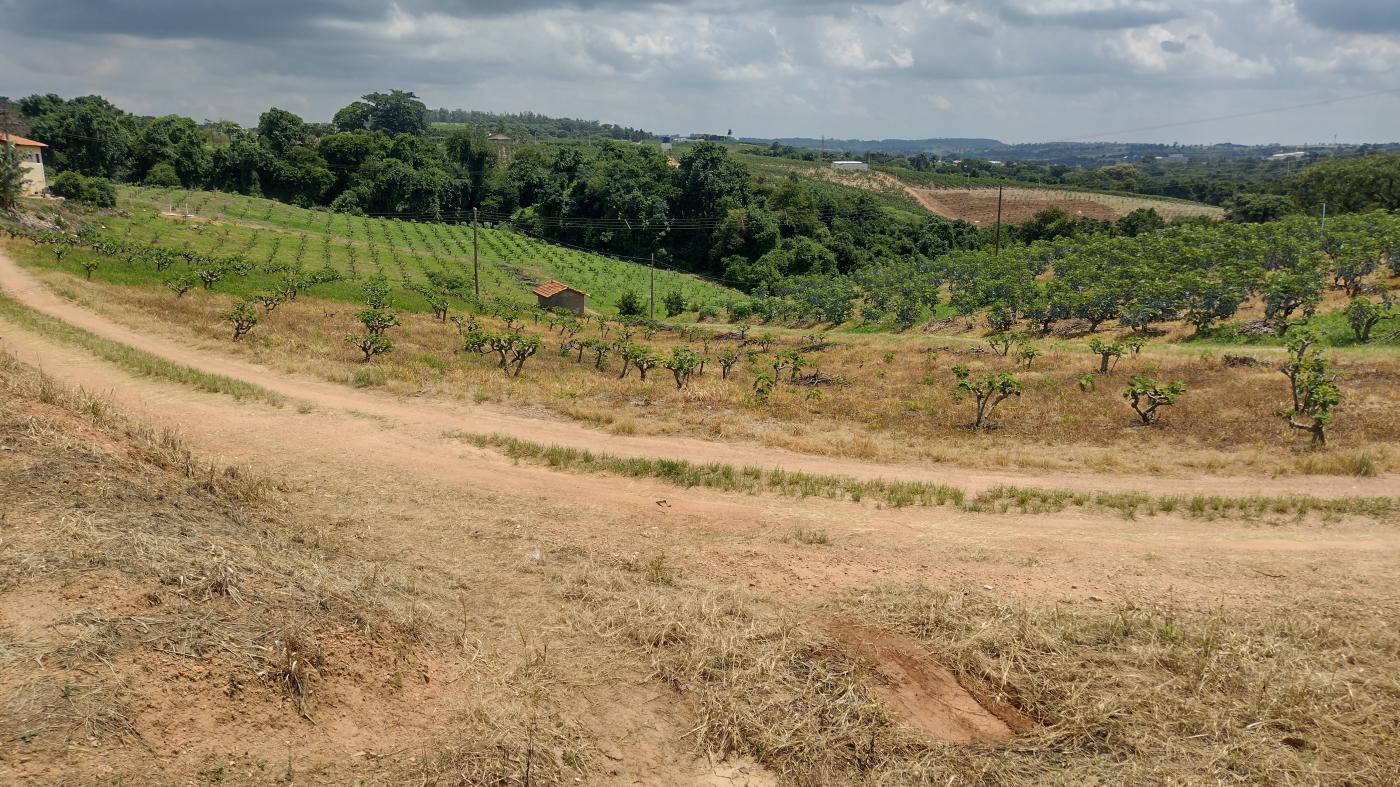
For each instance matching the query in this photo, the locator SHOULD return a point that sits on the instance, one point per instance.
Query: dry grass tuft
(492, 749)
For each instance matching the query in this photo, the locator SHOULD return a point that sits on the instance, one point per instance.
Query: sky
(1015, 70)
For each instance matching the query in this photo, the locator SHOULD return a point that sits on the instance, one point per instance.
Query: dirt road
(428, 419)
(354, 443)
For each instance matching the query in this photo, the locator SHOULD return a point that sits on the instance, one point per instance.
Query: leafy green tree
(1145, 395)
(395, 112)
(1258, 208)
(988, 392)
(176, 140)
(281, 130)
(376, 291)
(1350, 184)
(641, 358)
(376, 319)
(370, 344)
(1313, 387)
(1364, 314)
(86, 134)
(11, 176)
(1140, 222)
(1288, 290)
(354, 116)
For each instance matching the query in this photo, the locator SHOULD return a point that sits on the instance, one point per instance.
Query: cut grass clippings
(131, 359)
(899, 494)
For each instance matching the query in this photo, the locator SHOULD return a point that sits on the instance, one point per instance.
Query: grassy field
(271, 233)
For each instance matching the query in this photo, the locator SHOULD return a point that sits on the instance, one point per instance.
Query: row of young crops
(510, 262)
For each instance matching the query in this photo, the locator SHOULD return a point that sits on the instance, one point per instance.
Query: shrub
(243, 316)
(674, 303)
(81, 188)
(1313, 386)
(1106, 351)
(180, 284)
(630, 304)
(682, 364)
(988, 392)
(1145, 395)
(162, 176)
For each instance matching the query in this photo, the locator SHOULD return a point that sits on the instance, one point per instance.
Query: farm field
(503, 615)
(978, 204)
(510, 263)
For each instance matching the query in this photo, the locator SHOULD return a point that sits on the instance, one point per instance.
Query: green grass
(717, 475)
(1130, 505)
(271, 233)
(131, 359)
(899, 494)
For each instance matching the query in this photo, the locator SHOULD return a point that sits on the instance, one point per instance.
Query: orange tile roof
(553, 287)
(21, 141)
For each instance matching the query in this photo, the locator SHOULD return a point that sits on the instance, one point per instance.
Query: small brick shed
(555, 294)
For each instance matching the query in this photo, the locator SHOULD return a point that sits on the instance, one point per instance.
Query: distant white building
(850, 166)
(31, 159)
(1289, 155)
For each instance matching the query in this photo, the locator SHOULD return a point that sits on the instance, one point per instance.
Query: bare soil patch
(921, 692)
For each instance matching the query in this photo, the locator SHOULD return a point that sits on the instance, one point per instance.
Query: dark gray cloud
(1352, 16)
(1015, 69)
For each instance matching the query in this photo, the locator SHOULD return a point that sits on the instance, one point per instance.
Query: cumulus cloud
(1014, 69)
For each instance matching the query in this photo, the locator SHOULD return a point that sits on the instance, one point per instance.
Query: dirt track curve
(432, 418)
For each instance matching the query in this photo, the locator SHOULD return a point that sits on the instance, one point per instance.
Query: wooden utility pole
(996, 252)
(653, 285)
(476, 272)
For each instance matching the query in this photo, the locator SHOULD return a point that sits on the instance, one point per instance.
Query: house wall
(852, 166)
(568, 299)
(32, 161)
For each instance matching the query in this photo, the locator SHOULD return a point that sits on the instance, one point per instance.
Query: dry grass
(1155, 695)
(231, 581)
(1129, 696)
(904, 409)
(216, 571)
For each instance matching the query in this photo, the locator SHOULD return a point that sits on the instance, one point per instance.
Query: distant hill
(940, 145)
(1069, 153)
(530, 124)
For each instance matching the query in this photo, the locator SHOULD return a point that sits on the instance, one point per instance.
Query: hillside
(272, 233)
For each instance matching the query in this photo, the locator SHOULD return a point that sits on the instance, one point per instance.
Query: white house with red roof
(31, 158)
